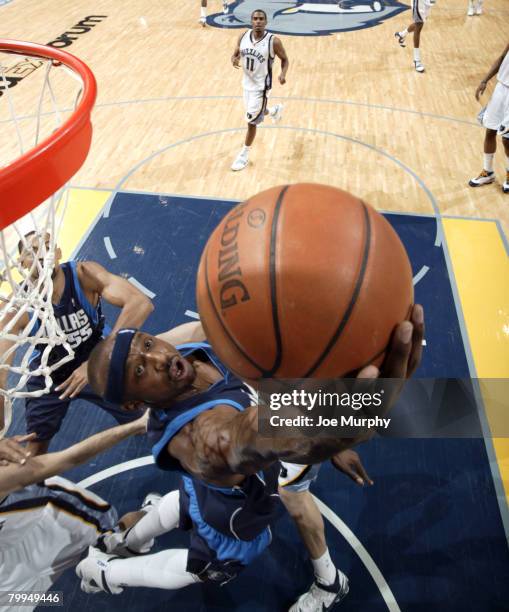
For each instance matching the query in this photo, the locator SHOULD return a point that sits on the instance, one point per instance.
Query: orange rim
(37, 174)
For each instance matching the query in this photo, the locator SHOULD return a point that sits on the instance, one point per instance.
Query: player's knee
(295, 503)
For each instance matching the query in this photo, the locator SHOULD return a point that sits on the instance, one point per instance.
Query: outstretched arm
(35, 469)
(223, 442)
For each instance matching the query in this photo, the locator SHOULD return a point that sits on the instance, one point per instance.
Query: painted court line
(141, 287)
(109, 247)
(362, 553)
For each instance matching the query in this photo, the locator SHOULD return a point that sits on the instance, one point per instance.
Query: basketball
(302, 281)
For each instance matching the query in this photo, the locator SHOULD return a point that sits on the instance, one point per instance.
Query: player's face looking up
(258, 22)
(155, 371)
(36, 247)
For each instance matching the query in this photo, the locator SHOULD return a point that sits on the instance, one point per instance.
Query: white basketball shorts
(255, 103)
(497, 111)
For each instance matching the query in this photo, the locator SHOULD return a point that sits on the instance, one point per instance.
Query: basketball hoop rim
(42, 170)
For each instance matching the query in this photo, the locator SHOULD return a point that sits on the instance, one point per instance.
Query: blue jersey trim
(226, 548)
(176, 425)
(87, 306)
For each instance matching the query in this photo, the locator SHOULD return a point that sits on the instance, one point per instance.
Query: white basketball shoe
(485, 178)
(241, 161)
(277, 113)
(92, 572)
(419, 66)
(471, 10)
(320, 597)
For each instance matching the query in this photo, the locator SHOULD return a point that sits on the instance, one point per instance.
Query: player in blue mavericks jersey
(78, 288)
(204, 423)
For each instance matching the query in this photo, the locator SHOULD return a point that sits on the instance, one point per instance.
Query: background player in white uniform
(420, 12)
(45, 527)
(203, 11)
(474, 7)
(495, 118)
(330, 585)
(256, 50)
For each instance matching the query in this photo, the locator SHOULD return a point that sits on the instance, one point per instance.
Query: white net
(29, 332)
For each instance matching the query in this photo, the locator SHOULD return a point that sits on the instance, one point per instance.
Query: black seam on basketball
(273, 288)
(353, 299)
(211, 300)
(353, 373)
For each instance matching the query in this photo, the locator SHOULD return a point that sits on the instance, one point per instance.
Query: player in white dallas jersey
(256, 49)
(45, 527)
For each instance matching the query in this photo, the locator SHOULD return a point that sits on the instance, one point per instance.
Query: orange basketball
(302, 281)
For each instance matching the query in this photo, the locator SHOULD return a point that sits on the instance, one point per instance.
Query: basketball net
(28, 327)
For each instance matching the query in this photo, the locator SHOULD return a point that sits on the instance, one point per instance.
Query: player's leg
(478, 8)
(471, 8)
(417, 51)
(225, 7)
(401, 35)
(44, 416)
(164, 570)
(487, 175)
(505, 185)
(492, 118)
(255, 103)
(330, 585)
(203, 13)
(158, 515)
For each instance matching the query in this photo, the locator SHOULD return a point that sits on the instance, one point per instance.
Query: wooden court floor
(169, 120)
(356, 113)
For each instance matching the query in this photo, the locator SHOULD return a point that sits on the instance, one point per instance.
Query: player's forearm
(54, 463)
(36, 469)
(249, 452)
(285, 64)
(134, 313)
(494, 69)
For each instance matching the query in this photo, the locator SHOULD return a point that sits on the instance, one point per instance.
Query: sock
(324, 568)
(403, 33)
(203, 11)
(488, 162)
(245, 150)
(417, 55)
(163, 570)
(161, 519)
